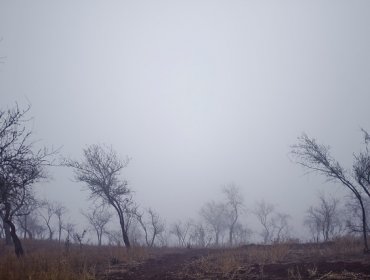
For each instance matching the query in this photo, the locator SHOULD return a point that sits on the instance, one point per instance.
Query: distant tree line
(220, 223)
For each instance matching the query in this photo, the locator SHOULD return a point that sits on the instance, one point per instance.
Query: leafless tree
(317, 158)
(100, 170)
(47, 212)
(353, 215)
(27, 219)
(241, 234)
(20, 167)
(114, 237)
(199, 235)
(59, 211)
(69, 229)
(135, 233)
(281, 226)
(164, 238)
(152, 226)
(324, 219)
(181, 231)
(264, 212)
(98, 218)
(79, 237)
(275, 226)
(215, 215)
(234, 204)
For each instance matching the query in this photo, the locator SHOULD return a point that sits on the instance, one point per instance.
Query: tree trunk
(231, 236)
(8, 237)
(29, 233)
(125, 237)
(364, 227)
(99, 234)
(59, 233)
(17, 243)
(124, 233)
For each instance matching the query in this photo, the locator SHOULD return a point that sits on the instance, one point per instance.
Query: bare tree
(264, 212)
(47, 212)
(69, 229)
(152, 226)
(27, 219)
(280, 223)
(79, 237)
(181, 231)
(324, 220)
(234, 204)
(316, 157)
(215, 215)
(275, 226)
(114, 237)
(164, 238)
(241, 234)
(20, 167)
(59, 211)
(98, 218)
(100, 170)
(199, 236)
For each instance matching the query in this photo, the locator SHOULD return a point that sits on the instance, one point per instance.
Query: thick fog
(197, 93)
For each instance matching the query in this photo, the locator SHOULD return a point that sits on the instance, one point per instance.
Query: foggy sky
(198, 93)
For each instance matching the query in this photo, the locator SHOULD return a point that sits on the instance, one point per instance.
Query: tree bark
(124, 232)
(364, 227)
(17, 243)
(8, 237)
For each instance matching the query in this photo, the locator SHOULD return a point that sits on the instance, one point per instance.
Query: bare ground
(298, 262)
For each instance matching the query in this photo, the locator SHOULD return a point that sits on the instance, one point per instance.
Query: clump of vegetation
(50, 260)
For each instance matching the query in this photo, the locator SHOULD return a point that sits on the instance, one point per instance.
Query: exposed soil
(161, 266)
(206, 264)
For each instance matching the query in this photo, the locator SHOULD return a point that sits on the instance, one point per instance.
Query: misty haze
(184, 139)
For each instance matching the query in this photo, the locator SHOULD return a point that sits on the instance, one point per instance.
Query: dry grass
(51, 261)
(292, 261)
(267, 253)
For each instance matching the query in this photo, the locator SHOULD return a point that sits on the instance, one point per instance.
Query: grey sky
(198, 93)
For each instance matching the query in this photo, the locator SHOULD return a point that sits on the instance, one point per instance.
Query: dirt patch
(160, 266)
(242, 263)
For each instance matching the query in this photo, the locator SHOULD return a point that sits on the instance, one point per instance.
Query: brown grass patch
(46, 260)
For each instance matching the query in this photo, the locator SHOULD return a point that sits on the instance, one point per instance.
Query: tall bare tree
(234, 204)
(317, 158)
(21, 166)
(100, 170)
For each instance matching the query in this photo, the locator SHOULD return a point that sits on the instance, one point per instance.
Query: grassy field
(341, 259)
(51, 260)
